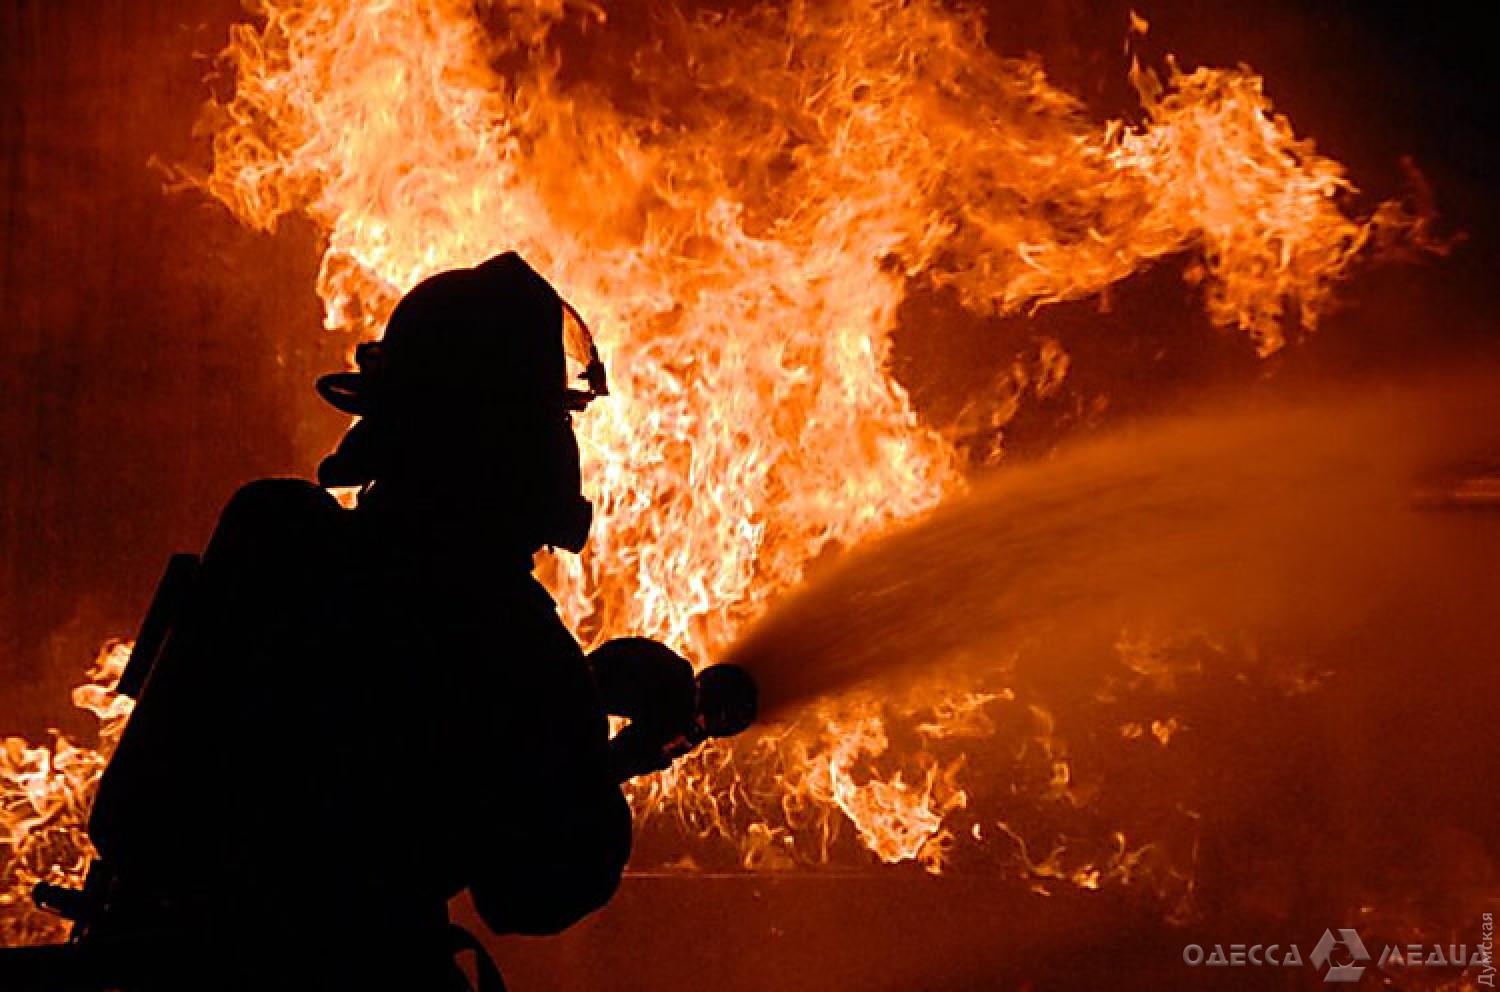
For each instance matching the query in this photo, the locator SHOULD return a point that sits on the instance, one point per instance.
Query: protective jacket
(359, 714)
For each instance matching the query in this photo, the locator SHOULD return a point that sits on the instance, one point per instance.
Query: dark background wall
(153, 354)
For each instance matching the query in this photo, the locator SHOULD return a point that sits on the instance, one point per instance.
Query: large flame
(739, 203)
(740, 221)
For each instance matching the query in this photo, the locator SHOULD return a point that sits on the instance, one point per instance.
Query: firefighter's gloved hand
(670, 711)
(644, 680)
(651, 685)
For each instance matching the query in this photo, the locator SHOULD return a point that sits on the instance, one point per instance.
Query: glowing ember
(739, 207)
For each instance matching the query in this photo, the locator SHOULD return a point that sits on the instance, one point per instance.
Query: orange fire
(739, 205)
(45, 795)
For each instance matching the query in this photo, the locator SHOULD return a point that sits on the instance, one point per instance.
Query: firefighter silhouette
(357, 714)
